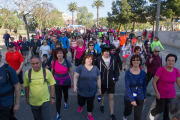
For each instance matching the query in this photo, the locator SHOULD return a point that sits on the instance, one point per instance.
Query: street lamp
(157, 17)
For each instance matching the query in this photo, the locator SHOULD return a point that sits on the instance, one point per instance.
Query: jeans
(162, 105)
(6, 43)
(5, 113)
(41, 112)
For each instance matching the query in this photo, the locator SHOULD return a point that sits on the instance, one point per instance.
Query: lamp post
(157, 17)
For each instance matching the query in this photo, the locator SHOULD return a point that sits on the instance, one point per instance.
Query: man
(35, 47)
(25, 49)
(131, 35)
(36, 82)
(109, 69)
(52, 48)
(111, 38)
(9, 85)
(65, 42)
(122, 40)
(15, 33)
(6, 38)
(15, 60)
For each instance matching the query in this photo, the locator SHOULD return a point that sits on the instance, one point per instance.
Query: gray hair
(156, 48)
(174, 109)
(36, 56)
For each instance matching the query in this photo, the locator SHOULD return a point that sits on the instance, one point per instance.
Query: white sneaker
(151, 117)
(124, 118)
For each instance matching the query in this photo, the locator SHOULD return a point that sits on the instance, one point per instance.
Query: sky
(62, 6)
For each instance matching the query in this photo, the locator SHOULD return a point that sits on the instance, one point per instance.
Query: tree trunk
(73, 17)
(97, 16)
(172, 24)
(153, 26)
(133, 26)
(27, 28)
(119, 28)
(2, 25)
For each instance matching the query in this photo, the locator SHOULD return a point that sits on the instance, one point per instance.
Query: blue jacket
(6, 36)
(38, 43)
(131, 81)
(25, 45)
(65, 42)
(97, 47)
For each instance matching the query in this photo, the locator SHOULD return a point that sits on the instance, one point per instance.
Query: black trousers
(162, 105)
(137, 109)
(5, 113)
(72, 54)
(149, 76)
(59, 89)
(90, 102)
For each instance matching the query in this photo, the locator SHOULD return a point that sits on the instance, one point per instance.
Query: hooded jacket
(107, 73)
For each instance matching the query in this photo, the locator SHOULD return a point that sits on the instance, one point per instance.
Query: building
(68, 19)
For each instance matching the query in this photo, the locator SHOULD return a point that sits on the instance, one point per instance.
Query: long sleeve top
(97, 47)
(131, 82)
(65, 42)
(25, 45)
(156, 43)
(6, 36)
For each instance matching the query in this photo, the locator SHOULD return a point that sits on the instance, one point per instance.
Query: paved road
(71, 114)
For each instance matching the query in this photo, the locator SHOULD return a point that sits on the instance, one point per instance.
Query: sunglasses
(157, 51)
(91, 45)
(135, 60)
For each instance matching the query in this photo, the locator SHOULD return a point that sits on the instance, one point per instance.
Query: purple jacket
(155, 64)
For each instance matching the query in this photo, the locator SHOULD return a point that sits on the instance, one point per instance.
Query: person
(15, 43)
(16, 61)
(19, 41)
(164, 87)
(116, 43)
(143, 39)
(52, 47)
(85, 75)
(148, 40)
(25, 49)
(156, 42)
(60, 68)
(45, 63)
(96, 46)
(113, 52)
(6, 38)
(97, 38)
(111, 38)
(148, 50)
(91, 50)
(35, 47)
(79, 50)
(126, 52)
(106, 41)
(137, 51)
(131, 36)
(136, 92)
(44, 49)
(109, 73)
(141, 45)
(174, 109)
(36, 81)
(9, 86)
(73, 45)
(122, 40)
(101, 42)
(65, 42)
(15, 33)
(58, 44)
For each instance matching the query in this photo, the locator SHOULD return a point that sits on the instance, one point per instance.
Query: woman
(15, 43)
(79, 50)
(164, 87)
(135, 82)
(60, 67)
(44, 49)
(38, 35)
(126, 52)
(156, 42)
(73, 45)
(137, 51)
(101, 42)
(106, 40)
(140, 44)
(153, 62)
(96, 46)
(20, 40)
(116, 43)
(91, 50)
(86, 79)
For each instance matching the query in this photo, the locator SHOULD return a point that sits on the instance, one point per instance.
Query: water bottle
(113, 78)
(135, 95)
(99, 98)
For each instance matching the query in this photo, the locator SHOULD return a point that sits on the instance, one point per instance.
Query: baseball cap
(11, 44)
(149, 43)
(106, 47)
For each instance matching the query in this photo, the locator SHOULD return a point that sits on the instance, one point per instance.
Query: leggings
(90, 102)
(137, 109)
(59, 89)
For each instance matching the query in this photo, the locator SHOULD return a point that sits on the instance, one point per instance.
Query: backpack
(66, 63)
(44, 74)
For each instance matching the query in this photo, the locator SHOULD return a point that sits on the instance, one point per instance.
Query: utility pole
(157, 17)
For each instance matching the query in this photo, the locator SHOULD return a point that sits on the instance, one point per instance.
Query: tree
(72, 7)
(97, 4)
(84, 17)
(103, 21)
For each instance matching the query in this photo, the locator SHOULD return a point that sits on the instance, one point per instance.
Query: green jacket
(156, 43)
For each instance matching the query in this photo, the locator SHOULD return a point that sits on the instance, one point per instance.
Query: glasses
(113, 50)
(91, 45)
(135, 60)
(157, 51)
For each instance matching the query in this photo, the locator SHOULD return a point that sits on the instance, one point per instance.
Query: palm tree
(72, 7)
(97, 4)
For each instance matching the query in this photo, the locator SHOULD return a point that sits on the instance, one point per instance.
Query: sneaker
(22, 93)
(90, 117)
(151, 117)
(58, 117)
(101, 108)
(25, 64)
(65, 106)
(112, 117)
(124, 118)
(80, 109)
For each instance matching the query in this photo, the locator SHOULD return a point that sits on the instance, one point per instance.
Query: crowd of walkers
(99, 56)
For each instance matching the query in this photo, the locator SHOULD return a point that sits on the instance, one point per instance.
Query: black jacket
(107, 73)
(118, 60)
